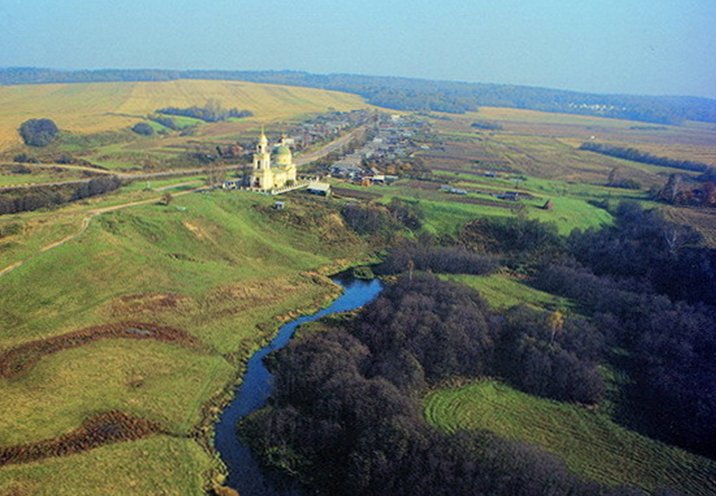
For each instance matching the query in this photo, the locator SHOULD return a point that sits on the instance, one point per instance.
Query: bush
(38, 132)
(143, 128)
(24, 158)
(20, 169)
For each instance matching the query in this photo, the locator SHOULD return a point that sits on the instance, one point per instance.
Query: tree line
(212, 111)
(30, 199)
(646, 158)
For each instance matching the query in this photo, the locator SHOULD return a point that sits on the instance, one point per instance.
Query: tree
(38, 132)
(555, 324)
(671, 189)
(143, 128)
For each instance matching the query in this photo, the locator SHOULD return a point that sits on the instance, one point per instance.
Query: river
(245, 475)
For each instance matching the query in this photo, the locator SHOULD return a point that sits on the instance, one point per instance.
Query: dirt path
(321, 152)
(85, 224)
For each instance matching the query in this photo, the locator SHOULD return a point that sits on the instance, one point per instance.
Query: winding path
(91, 214)
(320, 153)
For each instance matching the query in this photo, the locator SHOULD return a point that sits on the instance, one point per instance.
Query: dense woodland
(345, 414)
(415, 94)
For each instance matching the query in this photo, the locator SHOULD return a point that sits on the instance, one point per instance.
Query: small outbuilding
(318, 188)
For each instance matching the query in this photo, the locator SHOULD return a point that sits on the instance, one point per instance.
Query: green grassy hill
(590, 443)
(218, 266)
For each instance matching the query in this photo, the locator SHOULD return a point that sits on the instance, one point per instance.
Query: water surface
(245, 475)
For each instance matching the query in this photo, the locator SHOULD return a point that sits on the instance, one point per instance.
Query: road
(300, 160)
(91, 214)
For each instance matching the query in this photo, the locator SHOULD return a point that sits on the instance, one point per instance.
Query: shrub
(38, 132)
(143, 128)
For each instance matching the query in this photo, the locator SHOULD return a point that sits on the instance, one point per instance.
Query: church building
(272, 170)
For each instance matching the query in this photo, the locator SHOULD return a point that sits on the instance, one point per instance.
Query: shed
(317, 188)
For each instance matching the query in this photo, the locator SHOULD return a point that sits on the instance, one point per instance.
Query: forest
(345, 415)
(415, 94)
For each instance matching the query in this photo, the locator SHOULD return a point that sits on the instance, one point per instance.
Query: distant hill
(414, 94)
(109, 106)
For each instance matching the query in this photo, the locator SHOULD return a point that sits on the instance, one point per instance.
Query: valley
(143, 307)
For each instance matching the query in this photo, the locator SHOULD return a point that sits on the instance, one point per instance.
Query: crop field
(93, 108)
(689, 141)
(535, 155)
(544, 144)
(588, 441)
(149, 311)
(95, 117)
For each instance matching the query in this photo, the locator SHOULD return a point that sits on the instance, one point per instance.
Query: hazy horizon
(661, 47)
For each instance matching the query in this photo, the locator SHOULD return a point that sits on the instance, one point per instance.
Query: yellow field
(94, 107)
(690, 141)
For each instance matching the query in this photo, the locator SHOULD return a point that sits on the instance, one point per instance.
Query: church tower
(262, 177)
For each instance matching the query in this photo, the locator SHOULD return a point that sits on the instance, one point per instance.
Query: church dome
(281, 155)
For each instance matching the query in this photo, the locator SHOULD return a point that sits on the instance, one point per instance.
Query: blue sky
(653, 47)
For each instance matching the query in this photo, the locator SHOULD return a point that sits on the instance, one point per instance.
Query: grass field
(220, 266)
(160, 465)
(503, 291)
(589, 442)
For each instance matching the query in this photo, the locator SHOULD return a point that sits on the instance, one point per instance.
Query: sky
(651, 47)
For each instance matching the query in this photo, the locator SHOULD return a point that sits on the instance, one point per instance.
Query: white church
(272, 170)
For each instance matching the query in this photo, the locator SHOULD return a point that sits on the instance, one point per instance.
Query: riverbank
(244, 471)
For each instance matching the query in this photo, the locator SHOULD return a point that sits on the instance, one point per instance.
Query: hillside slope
(149, 313)
(94, 107)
